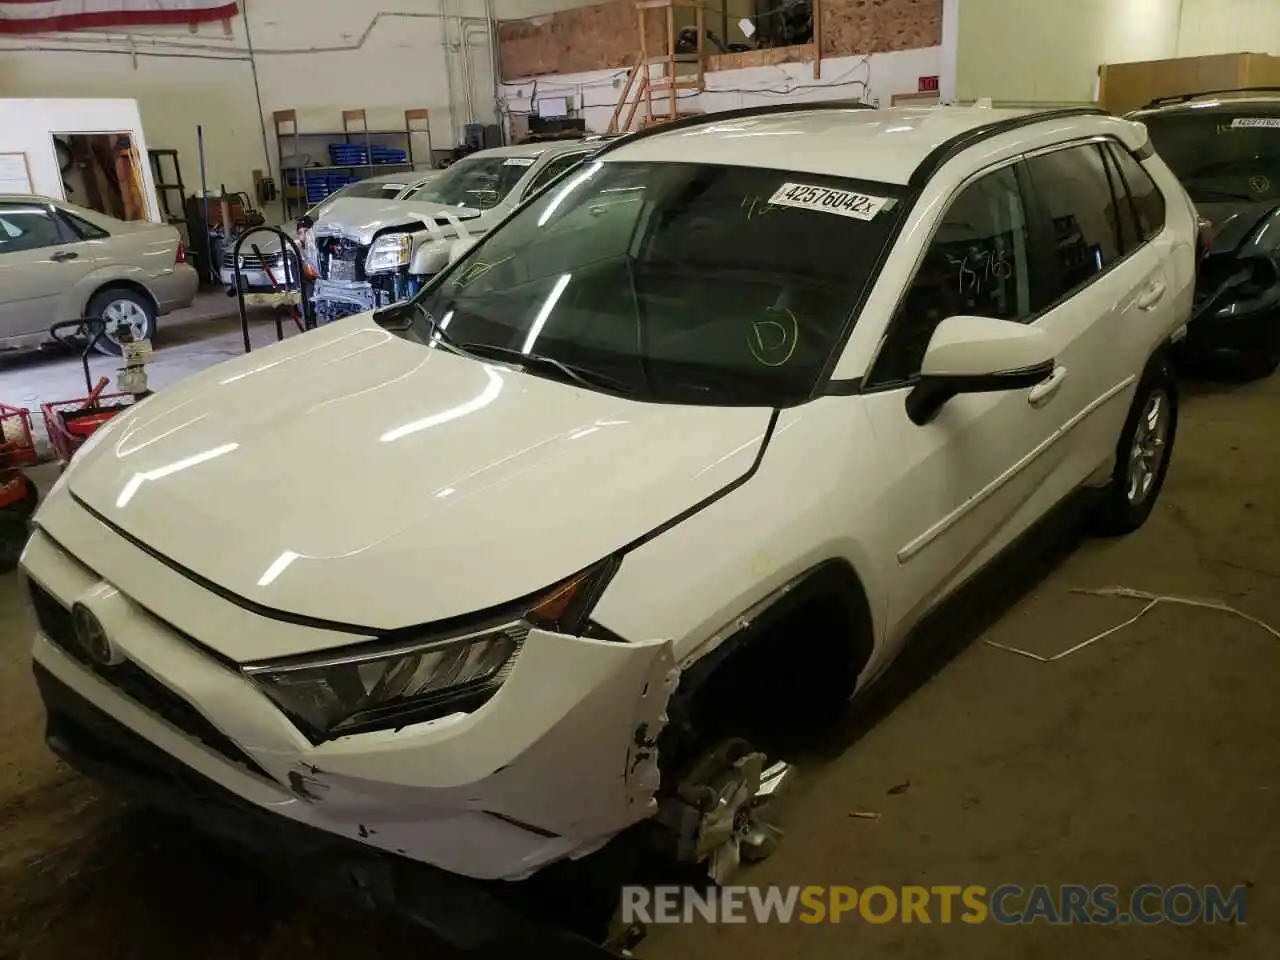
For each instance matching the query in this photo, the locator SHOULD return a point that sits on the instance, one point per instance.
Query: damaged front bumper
(484, 917)
(560, 760)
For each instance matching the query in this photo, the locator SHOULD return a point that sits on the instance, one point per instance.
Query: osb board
(604, 36)
(760, 58)
(1127, 86)
(878, 26)
(600, 37)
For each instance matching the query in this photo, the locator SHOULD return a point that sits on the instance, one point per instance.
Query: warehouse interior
(1086, 711)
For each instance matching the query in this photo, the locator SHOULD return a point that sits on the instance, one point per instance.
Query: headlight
(389, 252)
(376, 687)
(357, 692)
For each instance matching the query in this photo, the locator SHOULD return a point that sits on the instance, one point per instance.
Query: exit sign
(928, 85)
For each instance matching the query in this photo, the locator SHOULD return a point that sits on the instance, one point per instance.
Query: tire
(1131, 495)
(117, 305)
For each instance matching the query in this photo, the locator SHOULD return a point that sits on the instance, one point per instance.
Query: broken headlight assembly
(382, 686)
(389, 252)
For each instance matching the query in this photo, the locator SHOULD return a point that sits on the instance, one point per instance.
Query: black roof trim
(1187, 97)
(695, 120)
(962, 141)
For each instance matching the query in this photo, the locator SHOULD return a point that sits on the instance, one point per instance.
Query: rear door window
(1075, 192)
(82, 228)
(28, 226)
(1148, 201)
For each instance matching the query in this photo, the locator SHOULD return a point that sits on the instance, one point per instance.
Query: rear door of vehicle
(41, 260)
(1110, 281)
(1153, 243)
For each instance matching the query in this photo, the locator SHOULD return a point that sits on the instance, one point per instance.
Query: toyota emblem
(92, 637)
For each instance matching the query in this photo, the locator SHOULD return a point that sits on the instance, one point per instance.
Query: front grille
(248, 261)
(138, 685)
(341, 259)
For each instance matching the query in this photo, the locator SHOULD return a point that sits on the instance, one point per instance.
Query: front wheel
(122, 310)
(1142, 455)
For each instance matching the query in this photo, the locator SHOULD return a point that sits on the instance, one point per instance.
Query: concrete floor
(1149, 757)
(186, 341)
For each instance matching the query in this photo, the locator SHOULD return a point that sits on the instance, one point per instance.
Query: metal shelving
(355, 132)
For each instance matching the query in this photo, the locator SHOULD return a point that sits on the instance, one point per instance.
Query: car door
(1109, 282)
(41, 260)
(973, 478)
(1166, 299)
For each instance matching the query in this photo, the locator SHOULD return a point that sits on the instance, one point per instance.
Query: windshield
(373, 190)
(360, 190)
(1224, 152)
(673, 282)
(479, 182)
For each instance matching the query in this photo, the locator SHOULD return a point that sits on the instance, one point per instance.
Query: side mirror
(978, 355)
(460, 247)
(429, 259)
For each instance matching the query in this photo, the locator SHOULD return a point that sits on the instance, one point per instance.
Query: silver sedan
(63, 262)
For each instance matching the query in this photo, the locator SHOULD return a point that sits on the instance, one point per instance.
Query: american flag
(42, 16)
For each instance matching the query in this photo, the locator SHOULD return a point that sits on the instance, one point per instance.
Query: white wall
(874, 77)
(1049, 51)
(316, 56)
(27, 126)
(1229, 26)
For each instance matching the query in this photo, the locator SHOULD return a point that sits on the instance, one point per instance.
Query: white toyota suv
(675, 456)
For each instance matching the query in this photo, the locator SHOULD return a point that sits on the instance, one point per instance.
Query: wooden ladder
(660, 92)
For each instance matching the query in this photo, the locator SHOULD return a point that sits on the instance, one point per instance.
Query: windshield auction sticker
(845, 203)
(1256, 122)
(519, 161)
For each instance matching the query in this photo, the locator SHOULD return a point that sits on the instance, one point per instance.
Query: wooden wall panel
(599, 37)
(878, 26)
(604, 36)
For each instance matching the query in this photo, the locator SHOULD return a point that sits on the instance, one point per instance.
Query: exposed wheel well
(787, 672)
(121, 284)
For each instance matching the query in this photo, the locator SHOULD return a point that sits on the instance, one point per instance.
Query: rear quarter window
(1148, 202)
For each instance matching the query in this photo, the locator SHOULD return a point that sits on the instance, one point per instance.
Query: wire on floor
(1153, 600)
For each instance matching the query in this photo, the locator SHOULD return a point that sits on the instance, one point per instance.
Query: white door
(1112, 293)
(973, 478)
(40, 260)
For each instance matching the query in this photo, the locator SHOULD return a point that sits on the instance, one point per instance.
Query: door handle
(1047, 387)
(63, 255)
(1151, 295)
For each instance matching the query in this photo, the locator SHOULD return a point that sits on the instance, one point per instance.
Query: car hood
(353, 476)
(1234, 222)
(362, 218)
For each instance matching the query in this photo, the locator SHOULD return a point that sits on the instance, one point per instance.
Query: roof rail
(962, 141)
(765, 110)
(1184, 97)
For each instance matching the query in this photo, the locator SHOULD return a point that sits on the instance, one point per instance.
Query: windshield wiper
(580, 375)
(438, 332)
